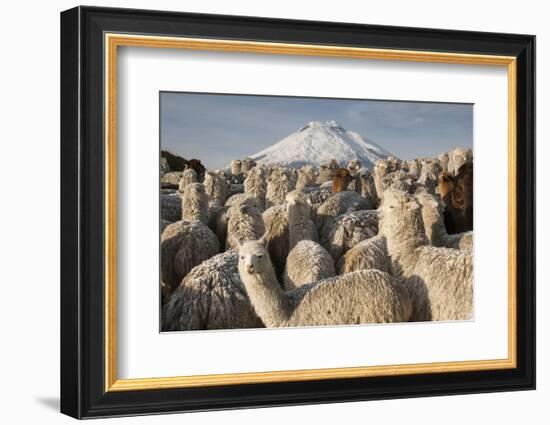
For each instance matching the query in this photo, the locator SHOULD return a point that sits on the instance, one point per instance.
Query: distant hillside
(176, 163)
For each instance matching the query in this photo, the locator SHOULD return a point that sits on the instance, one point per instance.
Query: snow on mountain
(319, 142)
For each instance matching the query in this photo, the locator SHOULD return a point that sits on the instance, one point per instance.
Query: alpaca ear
(233, 240)
(263, 239)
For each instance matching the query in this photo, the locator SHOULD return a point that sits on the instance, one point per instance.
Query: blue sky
(219, 128)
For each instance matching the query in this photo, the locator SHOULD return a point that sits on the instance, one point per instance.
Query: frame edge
(70, 349)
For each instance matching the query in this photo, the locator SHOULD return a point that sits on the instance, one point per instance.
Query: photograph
(286, 211)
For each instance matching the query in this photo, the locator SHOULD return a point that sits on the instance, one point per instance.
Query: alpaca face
(399, 214)
(253, 257)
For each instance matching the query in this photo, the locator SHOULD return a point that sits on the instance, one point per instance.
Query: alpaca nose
(250, 268)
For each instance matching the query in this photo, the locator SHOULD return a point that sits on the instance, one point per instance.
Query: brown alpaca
(447, 186)
(196, 165)
(342, 178)
(463, 198)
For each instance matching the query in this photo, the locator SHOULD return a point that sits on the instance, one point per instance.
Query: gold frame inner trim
(113, 41)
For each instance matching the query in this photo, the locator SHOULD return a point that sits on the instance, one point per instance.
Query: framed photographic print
(261, 212)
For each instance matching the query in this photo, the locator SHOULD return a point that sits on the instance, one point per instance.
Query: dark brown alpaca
(341, 179)
(457, 195)
(463, 198)
(447, 186)
(196, 165)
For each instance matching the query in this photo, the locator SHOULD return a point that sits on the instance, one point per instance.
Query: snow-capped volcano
(318, 142)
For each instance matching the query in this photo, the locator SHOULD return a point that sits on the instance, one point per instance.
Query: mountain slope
(319, 142)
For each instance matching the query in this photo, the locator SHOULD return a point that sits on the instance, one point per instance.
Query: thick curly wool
(368, 189)
(172, 177)
(188, 176)
(244, 223)
(324, 174)
(234, 189)
(444, 162)
(236, 166)
(184, 245)
(307, 262)
(247, 164)
(415, 168)
(255, 185)
(300, 224)
(347, 230)
(397, 179)
(194, 203)
(429, 176)
(315, 196)
(337, 204)
(216, 187)
(368, 254)
(440, 279)
(217, 221)
(367, 296)
(432, 217)
(277, 235)
(278, 185)
(170, 207)
(307, 177)
(239, 198)
(381, 169)
(212, 296)
(459, 157)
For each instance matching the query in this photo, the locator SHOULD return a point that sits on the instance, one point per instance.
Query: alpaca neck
(195, 208)
(270, 302)
(298, 220)
(434, 226)
(402, 244)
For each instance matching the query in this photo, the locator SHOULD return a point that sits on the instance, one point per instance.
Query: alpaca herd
(257, 245)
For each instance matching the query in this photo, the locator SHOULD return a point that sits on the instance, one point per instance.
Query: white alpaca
(432, 216)
(194, 203)
(337, 204)
(381, 169)
(367, 296)
(170, 207)
(244, 222)
(300, 224)
(188, 176)
(368, 254)
(440, 279)
(211, 296)
(347, 230)
(278, 185)
(171, 178)
(429, 177)
(368, 189)
(457, 158)
(415, 168)
(184, 245)
(216, 187)
(247, 164)
(255, 185)
(307, 177)
(307, 261)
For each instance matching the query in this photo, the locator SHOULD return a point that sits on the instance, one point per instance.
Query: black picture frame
(83, 392)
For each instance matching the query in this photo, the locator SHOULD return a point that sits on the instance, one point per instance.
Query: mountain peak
(331, 124)
(318, 142)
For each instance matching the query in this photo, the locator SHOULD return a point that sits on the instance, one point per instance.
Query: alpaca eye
(242, 257)
(260, 256)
